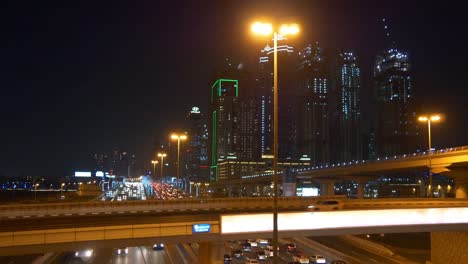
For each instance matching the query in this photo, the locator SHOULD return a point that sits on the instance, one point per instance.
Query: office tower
(395, 128)
(224, 111)
(286, 95)
(197, 151)
(346, 126)
(313, 120)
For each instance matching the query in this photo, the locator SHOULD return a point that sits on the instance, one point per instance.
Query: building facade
(346, 132)
(313, 112)
(395, 123)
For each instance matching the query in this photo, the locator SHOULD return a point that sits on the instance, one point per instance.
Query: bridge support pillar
(327, 187)
(449, 247)
(460, 175)
(210, 252)
(361, 183)
(360, 188)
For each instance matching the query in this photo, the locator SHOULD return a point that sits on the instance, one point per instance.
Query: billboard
(82, 174)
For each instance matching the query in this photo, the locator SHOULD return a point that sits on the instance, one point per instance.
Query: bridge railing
(97, 207)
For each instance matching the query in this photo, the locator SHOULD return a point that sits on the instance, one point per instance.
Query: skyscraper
(395, 128)
(197, 151)
(346, 113)
(286, 95)
(224, 111)
(313, 120)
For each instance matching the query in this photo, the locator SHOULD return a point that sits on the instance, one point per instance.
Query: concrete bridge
(45, 227)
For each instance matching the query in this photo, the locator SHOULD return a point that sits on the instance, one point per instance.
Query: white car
(318, 259)
(252, 242)
(262, 241)
(326, 205)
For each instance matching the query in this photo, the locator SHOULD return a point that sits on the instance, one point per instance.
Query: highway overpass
(67, 226)
(451, 162)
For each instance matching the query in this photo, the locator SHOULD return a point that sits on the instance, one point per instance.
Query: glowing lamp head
(422, 118)
(435, 118)
(289, 29)
(432, 118)
(161, 154)
(260, 28)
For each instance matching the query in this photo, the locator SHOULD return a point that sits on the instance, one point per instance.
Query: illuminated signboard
(195, 110)
(99, 174)
(82, 174)
(201, 228)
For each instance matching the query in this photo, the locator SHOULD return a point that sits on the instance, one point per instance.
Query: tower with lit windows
(286, 95)
(313, 120)
(346, 113)
(395, 127)
(224, 111)
(197, 151)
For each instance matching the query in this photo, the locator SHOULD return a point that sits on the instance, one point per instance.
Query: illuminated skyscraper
(197, 151)
(224, 111)
(346, 128)
(286, 94)
(395, 128)
(313, 120)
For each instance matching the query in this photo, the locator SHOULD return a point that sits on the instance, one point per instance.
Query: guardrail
(213, 204)
(404, 203)
(81, 208)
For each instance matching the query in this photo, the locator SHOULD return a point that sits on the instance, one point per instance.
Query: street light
(178, 137)
(266, 29)
(429, 119)
(162, 155)
(154, 162)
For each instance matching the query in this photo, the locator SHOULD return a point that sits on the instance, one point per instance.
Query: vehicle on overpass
(326, 205)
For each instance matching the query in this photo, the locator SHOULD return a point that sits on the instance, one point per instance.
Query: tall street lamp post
(429, 119)
(154, 162)
(266, 29)
(178, 138)
(162, 155)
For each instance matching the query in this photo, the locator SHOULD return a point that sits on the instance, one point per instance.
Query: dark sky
(82, 77)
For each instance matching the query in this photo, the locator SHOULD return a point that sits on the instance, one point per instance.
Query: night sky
(82, 77)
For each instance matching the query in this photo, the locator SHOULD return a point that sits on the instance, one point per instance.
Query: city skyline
(97, 80)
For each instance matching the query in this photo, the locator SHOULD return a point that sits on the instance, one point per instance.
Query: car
(227, 259)
(338, 261)
(122, 251)
(326, 205)
(317, 259)
(252, 261)
(290, 247)
(261, 255)
(159, 246)
(301, 259)
(253, 243)
(84, 255)
(262, 241)
(246, 246)
(237, 253)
